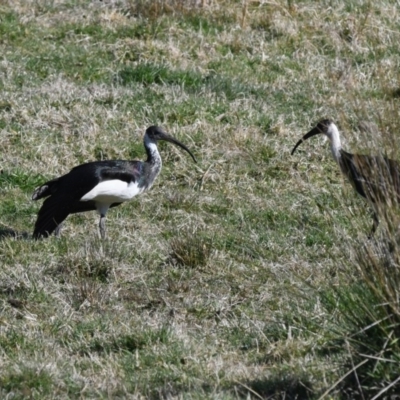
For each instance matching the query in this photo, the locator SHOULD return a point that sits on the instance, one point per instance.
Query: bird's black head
(155, 133)
(321, 128)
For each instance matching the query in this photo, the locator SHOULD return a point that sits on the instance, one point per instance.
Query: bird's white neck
(153, 156)
(336, 145)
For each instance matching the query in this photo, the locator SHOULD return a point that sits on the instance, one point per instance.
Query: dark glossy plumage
(99, 185)
(375, 178)
(63, 193)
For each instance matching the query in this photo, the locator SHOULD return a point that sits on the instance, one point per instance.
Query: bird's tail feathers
(50, 216)
(45, 190)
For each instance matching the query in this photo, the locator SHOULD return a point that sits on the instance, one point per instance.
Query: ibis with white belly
(376, 178)
(99, 185)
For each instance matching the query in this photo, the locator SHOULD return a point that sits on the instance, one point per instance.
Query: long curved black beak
(313, 132)
(170, 139)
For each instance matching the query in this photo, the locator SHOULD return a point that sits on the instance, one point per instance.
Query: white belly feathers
(112, 191)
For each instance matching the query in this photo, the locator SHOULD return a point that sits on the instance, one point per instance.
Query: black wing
(64, 193)
(353, 173)
(376, 178)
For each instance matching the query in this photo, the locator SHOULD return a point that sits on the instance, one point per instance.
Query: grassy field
(247, 275)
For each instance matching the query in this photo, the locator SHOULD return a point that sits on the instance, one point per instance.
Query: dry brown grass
(206, 285)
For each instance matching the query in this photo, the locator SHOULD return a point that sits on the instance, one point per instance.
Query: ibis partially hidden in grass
(99, 185)
(376, 178)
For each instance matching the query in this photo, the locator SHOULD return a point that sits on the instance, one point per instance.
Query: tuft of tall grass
(366, 310)
(191, 247)
(365, 301)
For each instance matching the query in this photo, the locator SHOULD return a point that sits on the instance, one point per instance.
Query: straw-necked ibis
(99, 185)
(376, 178)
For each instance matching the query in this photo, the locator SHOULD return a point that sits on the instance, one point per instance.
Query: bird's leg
(374, 225)
(57, 231)
(102, 226)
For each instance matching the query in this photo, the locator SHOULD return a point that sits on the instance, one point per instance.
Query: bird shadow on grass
(8, 232)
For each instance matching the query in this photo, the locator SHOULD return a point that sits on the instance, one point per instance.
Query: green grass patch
(149, 74)
(28, 382)
(250, 263)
